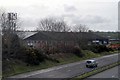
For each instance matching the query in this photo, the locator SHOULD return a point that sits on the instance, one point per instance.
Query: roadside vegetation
(33, 59)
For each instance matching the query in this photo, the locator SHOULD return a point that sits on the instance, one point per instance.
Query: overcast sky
(99, 15)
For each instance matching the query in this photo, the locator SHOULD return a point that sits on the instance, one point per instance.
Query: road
(68, 70)
(110, 73)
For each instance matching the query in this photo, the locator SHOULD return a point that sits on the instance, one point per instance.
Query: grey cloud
(38, 7)
(68, 15)
(92, 21)
(87, 19)
(95, 19)
(69, 8)
(29, 24)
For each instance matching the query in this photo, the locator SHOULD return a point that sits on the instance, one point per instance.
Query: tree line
(57, 25)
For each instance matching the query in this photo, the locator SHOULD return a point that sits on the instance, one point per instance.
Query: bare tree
(3, 20)
(81, 28)
(9, 22)
(50, 24)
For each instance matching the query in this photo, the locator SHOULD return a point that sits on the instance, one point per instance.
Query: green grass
(18, 67)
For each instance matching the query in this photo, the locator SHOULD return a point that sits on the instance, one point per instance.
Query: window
(88, 61)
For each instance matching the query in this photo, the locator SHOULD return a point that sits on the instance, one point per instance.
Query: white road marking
(35, 73)
(66, 66)
(59, 68)
(113, 76)
(69, 70)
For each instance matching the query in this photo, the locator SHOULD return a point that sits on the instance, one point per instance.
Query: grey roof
(25, 34)
(64, 36)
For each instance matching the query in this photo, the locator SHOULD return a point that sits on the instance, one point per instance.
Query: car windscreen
(88, 61)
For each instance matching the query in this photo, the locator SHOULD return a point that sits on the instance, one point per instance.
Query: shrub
(33, 56)
(22, 54)
(77, 51)
(10, 45)
(99, 48)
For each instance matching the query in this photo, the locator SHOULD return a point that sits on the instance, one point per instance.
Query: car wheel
(87, 66)
(96, 66)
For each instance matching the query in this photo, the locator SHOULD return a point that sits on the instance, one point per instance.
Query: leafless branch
(81, 28)
(51, 24)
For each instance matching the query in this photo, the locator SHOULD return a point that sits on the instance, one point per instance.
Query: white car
(91, 63)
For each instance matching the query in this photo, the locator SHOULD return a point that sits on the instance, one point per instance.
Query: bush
(33, 56)
(22, 54)
(77, 51)
(10, 46)
(99, 48)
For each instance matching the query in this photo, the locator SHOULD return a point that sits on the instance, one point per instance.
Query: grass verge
(98, 70)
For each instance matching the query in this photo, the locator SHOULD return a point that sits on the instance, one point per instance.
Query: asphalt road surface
(110, 73)
(68, 70)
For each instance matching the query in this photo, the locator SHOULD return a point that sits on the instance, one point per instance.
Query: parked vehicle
(91, 63)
